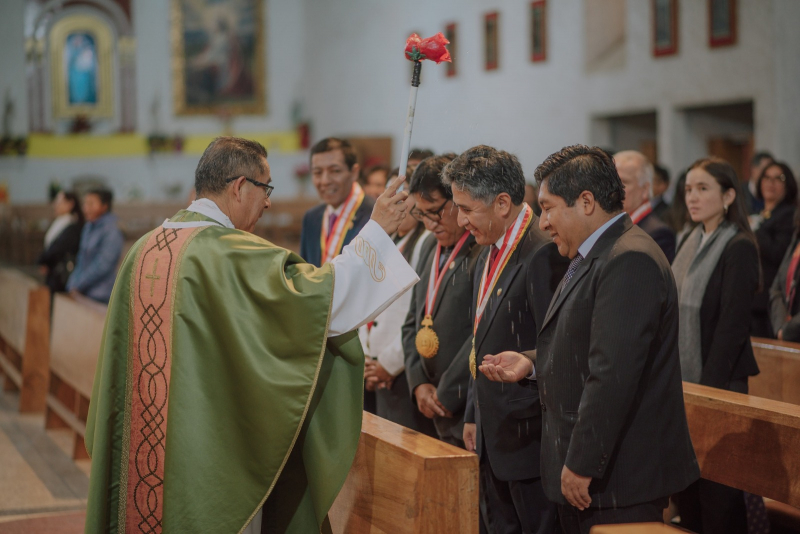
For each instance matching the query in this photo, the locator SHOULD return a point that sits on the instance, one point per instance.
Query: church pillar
(127, 71)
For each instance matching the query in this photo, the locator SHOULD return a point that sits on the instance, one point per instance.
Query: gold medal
(473, 363)
(427, 341)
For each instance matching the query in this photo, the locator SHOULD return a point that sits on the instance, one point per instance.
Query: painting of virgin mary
(80, 63)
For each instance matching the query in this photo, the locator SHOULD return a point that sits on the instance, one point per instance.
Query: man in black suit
(615, 440)
(438, 372)
(660, 186)
(517, 274)
(344, 210)
(636, 173)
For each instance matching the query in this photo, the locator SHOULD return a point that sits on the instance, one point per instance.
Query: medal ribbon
(644, 213)
(493, 272)
(435, 279)
(331, 240)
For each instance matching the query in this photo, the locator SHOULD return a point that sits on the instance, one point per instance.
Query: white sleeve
(369, 275)
(387, 334)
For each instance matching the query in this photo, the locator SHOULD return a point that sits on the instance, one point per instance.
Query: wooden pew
(779, 362)
(77, 331)
(24, 338)
(405, 482)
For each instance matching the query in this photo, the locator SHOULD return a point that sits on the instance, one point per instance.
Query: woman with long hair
(717, 274)
(774, 227)
(61, 241)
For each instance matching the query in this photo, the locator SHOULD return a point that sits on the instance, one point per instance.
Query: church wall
(533, 109)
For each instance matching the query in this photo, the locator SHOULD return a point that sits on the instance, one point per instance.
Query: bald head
(636, 173)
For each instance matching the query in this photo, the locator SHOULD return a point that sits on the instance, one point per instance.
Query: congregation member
(752, 203)
(517, 273)
(227, 361)
(615, 440)
(345, 208)
(375, 180)
(659, 188)
(636, 173)
(61, 241)
(784, 304)
(416, 155)
(774, 228)
(437, 333)
(717, 274)
(344, 211)
(100, 248)
(383, 342)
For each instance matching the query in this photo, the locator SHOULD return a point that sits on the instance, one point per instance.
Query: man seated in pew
(100, 248)
(615, 441)
(437, 334)
(229, 382)
(516, 275)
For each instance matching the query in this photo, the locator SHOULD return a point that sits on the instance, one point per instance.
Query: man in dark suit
(344, 210)
(660, 186)
(636, 173)
(440, 306)
(615, 440)
(517, 274)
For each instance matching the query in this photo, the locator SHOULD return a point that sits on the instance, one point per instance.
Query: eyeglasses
(267, 188)
(434, 216)
(781, 178)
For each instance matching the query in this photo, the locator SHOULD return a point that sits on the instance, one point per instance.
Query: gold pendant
(473, 363)
(427, 341)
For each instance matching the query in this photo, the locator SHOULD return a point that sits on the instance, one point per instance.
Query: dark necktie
(331, 222)
(443, 255)
(494, 251)
(573, 266)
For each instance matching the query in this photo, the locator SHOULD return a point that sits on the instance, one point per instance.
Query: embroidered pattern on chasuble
(149, 363)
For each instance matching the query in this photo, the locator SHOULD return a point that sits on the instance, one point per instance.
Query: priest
(228, 390)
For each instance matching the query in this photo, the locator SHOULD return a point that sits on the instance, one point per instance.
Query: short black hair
(105, 195)
(427, 178)
(661, 173)
(228, 157)
(420, 153)
(484, 172)
(578, 168)
(760, 156)
(330, 144)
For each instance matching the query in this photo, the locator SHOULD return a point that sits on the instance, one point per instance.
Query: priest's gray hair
(484, 172)
(228, 157)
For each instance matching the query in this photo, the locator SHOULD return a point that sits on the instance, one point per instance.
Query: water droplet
(459, 391)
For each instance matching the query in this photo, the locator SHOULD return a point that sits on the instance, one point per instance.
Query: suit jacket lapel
(605, 241)
(448, 274)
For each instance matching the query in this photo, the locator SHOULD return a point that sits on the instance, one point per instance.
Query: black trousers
(515, 506)
(707, 507)
(574, 521)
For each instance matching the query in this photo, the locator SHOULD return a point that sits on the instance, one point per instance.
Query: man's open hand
(506, 367)
(391, 207)
(575, 488)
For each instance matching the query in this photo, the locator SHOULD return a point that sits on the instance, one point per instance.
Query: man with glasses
(437, 334)
(226, 360)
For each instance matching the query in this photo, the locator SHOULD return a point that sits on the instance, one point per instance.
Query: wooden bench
(779, 362)
(24, 338)
(76, 334)
(405, 482)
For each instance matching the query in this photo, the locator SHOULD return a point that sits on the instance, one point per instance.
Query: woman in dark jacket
(61, 241)
(774, 227)
(717, 273)
(783, 297)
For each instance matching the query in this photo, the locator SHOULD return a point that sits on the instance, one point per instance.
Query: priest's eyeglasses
(267, 188)
(434, 216)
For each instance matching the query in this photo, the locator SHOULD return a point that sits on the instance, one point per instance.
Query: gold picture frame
(81, 67)
(218, 59)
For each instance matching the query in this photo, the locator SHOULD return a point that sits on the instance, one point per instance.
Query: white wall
(12, 63)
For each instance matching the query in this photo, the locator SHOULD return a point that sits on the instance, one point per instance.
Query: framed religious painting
(721, 23)
(218, 64)
(665, 27)
(491, 32)
(81, 50)
(539, 30)
(451, 34)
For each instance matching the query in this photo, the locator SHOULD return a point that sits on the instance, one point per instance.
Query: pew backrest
(779, 365)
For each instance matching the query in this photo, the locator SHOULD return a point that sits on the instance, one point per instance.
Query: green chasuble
(217, 389)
